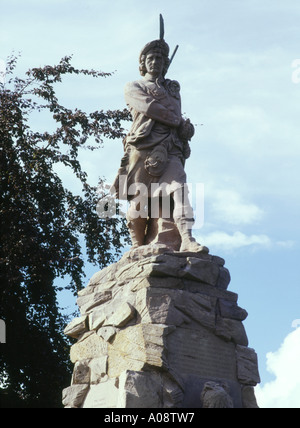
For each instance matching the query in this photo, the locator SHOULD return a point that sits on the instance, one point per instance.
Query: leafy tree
(41, 226)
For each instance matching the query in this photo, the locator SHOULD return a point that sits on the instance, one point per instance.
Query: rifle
(162, 35)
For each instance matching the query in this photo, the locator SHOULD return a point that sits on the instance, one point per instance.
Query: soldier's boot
(188, 243)
(137, 229)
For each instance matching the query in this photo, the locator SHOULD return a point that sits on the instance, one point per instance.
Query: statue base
(160, 330)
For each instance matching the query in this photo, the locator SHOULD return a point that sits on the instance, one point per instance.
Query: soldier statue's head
(156, 47)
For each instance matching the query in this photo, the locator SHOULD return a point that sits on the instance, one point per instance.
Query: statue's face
(154, 63)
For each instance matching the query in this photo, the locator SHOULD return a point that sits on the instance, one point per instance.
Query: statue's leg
(137, 226)
(184, 220)
(161, 228)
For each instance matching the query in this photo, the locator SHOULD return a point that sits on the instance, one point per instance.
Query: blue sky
(237, 70)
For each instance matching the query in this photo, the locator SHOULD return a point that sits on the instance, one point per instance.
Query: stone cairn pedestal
(160, 330)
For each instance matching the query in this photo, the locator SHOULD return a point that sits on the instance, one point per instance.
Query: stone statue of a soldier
(156, 149)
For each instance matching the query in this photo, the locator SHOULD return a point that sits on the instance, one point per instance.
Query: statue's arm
(140, 100)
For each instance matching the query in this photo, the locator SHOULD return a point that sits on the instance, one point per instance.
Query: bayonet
(162, 35)
(174, 53)
(161, 27)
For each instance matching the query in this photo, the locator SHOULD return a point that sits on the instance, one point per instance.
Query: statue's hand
(186, 130)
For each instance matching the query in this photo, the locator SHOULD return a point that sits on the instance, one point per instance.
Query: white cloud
(284, 391)
(226, 242)
(223, 241)
(230, 207)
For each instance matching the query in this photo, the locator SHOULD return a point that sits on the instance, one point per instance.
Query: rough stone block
(157, 306)
(86, 303)
(201, 270)
(247, 366)
(231, 310)
(196, 308)
(77, 327)
(137, 347)
(74, 395)
(248, 397)
(224, 278)
(97, 318)
(116, 314)
(107, 333)
(121, 317)
(156, 282)
(175, 307)
(81, 374)
(140, 390)
(90, 346)
(103, 395)
(230, 329)
(98, 368)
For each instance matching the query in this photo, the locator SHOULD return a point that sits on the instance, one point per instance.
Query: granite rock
(156, 327)
(77, 327)
(74, 396)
